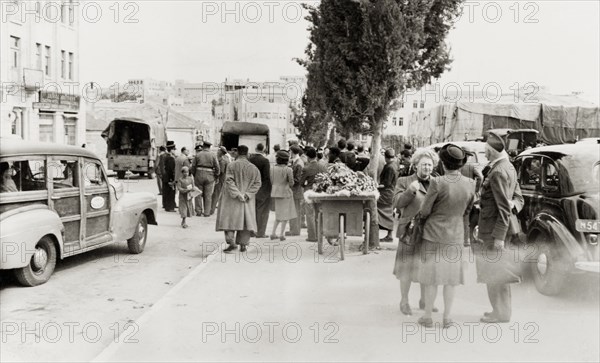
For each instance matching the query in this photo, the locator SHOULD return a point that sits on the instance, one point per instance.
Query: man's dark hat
(170, 144)
(453, 155)
(390, 153)
(495, 142)
(206, 144)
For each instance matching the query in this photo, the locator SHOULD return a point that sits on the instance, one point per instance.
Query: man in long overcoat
(496, 263)
(263, 197)
(236, 211)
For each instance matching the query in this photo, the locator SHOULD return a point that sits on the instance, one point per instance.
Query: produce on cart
(342, 181)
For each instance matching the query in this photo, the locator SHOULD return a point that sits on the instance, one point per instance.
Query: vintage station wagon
(56, 201)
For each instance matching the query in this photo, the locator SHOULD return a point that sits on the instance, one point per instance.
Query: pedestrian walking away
(263, 197)
(205, 169)
(236, 215)
(310, 171)
(282, 181)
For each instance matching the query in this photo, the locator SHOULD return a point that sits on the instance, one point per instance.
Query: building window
(401, 121)
(415, 104)
(46, 127)
(16, 117)
(38, 56)
(422, 104)
(71, 13)
(401, 104)
(47, 64)
(394, 121)
(71, 58)
(64, 13)
(15, 48)
(71, 130)
(63, 64)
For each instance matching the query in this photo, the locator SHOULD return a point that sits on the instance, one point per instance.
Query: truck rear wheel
(121, 174)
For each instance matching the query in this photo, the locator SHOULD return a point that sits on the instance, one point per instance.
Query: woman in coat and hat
(449, 198)
(282, 181)
(409, 194)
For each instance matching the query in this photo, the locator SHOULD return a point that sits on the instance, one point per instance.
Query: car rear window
(583, 172)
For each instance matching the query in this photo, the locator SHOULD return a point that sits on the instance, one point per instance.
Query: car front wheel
(41, 266)
(548, 268)
(137, 243)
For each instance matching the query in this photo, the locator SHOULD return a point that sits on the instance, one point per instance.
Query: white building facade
(39, 67)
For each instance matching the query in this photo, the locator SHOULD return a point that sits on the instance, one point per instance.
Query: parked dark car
(561, 215)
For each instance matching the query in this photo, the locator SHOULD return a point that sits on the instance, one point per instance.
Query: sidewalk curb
(112, 348)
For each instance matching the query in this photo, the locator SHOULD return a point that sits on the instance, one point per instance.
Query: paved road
(110, 305)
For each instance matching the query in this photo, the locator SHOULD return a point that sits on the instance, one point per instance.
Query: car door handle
(88, 194)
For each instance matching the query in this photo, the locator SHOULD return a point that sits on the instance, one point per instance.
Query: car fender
(20, 230)
(548, 224)
(127, 211)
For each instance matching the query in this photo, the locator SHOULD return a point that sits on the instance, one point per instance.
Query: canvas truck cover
(158, 132)
(244, 128)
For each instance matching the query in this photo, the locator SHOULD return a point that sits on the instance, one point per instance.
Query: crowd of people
(427, 187)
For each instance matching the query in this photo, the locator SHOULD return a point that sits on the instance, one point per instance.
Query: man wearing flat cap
(496, 263)
(205, 169)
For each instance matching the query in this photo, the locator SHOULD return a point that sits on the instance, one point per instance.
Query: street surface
(182, 299)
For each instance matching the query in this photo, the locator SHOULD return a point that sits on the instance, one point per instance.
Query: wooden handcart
(338, 216)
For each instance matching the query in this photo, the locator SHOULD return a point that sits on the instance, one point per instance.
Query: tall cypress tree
(364, 54)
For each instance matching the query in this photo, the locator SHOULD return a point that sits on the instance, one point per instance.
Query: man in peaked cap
(205, 169)
(496, 264)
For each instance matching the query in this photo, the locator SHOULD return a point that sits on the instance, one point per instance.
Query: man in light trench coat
(236, 211)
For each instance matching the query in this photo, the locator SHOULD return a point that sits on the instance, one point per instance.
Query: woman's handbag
(413, 234)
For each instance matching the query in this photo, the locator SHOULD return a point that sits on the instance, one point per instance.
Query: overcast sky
(551, 43)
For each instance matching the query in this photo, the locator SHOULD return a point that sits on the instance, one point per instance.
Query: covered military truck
(132, 144)
(250, 134)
